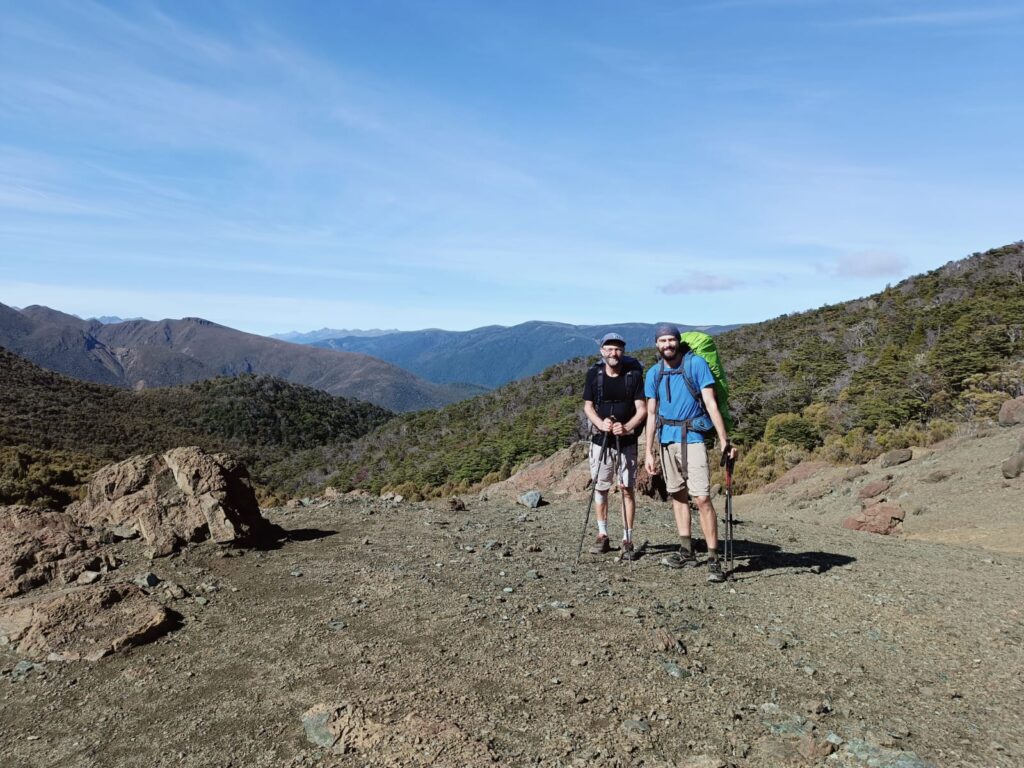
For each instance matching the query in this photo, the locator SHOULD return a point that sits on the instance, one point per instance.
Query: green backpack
(702, 344)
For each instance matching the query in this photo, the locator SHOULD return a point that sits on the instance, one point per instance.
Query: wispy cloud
(701, 282)
(868, 264)
(943, 18)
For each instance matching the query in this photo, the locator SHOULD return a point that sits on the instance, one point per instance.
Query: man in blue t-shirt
(671, 410)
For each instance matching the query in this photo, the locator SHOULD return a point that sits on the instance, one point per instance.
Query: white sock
(602, 527)
(629, 534)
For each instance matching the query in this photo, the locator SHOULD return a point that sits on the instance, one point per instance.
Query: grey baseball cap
(613, 338)
(666, 329)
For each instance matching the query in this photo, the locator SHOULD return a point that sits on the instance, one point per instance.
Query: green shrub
(790, 428)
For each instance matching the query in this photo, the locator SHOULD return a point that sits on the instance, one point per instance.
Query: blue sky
(287, 166)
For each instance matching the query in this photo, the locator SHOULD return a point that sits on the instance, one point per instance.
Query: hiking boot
(715, 573)
(601, 546)
(626, 551)
(680, 559)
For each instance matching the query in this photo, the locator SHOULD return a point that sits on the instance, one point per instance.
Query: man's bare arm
(649, 459)
(603, 425)
(711, 403)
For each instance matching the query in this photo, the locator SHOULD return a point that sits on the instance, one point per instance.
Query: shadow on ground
(754, 556)
(295, 534)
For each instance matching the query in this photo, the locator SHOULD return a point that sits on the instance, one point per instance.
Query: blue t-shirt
(682, 405)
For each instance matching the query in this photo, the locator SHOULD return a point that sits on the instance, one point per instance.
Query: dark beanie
(666, 329)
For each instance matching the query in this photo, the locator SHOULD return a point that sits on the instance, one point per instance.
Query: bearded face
(612, 355)
(668, 347)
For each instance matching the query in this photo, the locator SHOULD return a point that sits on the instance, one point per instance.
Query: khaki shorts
(698, 479)
(601, 474)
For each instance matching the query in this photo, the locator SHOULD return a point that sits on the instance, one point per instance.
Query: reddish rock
(814, 749)
(883, 518)
(38, 546)
(877, 488)
(566, 471)
(1012, 412)
(82, 622)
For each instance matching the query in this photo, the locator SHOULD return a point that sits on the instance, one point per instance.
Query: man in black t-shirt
(613, 400)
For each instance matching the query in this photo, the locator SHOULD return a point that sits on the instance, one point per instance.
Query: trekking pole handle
(728, 462)
(726, 450)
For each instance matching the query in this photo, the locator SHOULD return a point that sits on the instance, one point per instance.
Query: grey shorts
(602, 474)
(698, 475)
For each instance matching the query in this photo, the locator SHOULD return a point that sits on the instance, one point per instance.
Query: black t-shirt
(615, 400)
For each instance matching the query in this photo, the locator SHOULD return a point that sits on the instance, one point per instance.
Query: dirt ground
(460, 638)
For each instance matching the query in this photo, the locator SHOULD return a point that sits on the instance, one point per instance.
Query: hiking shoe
(680, 559)
(626, 551)
(715, 573)
(601, 546)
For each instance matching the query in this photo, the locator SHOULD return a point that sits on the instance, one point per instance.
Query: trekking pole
(616, 469)
(586, 519)
(728, 463)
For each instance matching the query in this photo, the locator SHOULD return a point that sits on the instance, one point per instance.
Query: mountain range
(842, 383)
(310, 337)
(143, 353)
(495, 355)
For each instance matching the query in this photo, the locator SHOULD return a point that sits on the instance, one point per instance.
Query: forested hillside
(844, 381)
(54, 430)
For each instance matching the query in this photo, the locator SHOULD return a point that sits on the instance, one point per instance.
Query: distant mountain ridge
(142, 353)
(297, 337)
(494, 355)
(111, 319)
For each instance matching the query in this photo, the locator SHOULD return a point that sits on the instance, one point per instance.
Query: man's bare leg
(601, 513)
(630, 500)
(708, 521)
(681, 510)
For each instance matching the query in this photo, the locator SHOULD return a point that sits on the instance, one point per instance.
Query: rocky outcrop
(38, 546)
(883, 518)
(1012, 412)
(875, 488)
(563, 472)
(854, 472)
(651, 486)
(82, 622)
(180, 496)
(895, 457)
(1014, 464)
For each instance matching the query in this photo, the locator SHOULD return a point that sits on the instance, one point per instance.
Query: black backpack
(632, 369)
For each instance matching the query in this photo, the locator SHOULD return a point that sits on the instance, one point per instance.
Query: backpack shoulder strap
(690, 385)
(633, 378)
